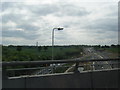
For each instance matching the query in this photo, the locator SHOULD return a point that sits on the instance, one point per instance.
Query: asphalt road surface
(90, 53)
(100, 55)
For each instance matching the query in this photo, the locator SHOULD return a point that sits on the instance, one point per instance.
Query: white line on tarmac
(105, 61)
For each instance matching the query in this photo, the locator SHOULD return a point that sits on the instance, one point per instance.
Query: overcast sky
(25, 22)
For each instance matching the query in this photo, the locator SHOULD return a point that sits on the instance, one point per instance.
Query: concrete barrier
(14, 83)
(95, 79)
(60, 81)
(106, 79)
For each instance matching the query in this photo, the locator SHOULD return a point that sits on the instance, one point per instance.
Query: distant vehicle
(49, 69)
(81, 68)
(52, 64)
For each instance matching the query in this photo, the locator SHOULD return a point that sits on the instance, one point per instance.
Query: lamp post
(53, 41)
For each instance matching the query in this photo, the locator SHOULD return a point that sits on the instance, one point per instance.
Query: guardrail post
(4, 73)
(76, 68)
(4, 77)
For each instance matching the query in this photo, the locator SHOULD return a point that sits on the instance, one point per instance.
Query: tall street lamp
(53, 43)
(53, 40)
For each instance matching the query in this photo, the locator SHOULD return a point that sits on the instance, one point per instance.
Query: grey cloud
(44, 9)
(58, 10)
(12, 5)
(6, 5)
(114, 9)
(21, 34)
(8, 42)
(107, 24)
(72, 10)
(28, 27)
(70, 24)
(41, 10)
(113, 14)
(30, 31)
(11, 17)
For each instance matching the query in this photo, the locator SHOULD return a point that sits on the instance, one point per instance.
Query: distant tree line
(30, 53)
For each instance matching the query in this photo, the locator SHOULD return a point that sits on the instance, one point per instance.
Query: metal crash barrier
(74, 73)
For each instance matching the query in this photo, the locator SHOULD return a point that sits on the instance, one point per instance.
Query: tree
(112, 45)
(106, 46)
(5, 51)
(39, 48)
(45, 48)
(10, 46)
(19, 48)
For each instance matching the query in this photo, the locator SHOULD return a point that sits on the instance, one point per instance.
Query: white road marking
(105, 62)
